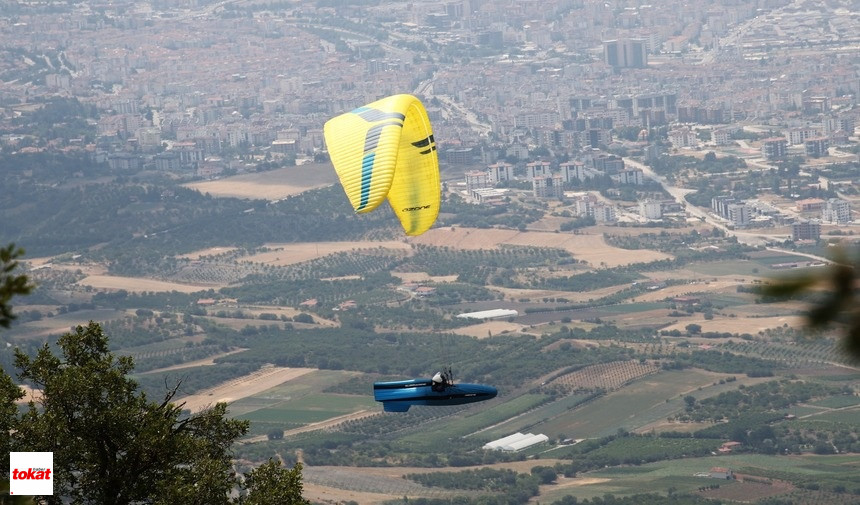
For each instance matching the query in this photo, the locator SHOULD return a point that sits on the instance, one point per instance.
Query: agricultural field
(477, 420)
(638, 404)
(242, 387)
(751, 325)
(711, 286)
(290, 254)
(592, 249)
(819, 353)
(61, 323)
(373, 486)
(605, 376)
(210, 251)
(139, 285)
(488, 329)
(624, 379)
(679, 474)
(535, 295)
(271, 185)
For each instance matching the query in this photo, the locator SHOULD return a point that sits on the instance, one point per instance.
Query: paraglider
(398, 396)
(385, 150)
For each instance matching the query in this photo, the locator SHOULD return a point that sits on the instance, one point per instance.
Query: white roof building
(516, 442)
(489, 314)
(497, 444)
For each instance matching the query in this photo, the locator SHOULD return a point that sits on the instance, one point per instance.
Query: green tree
(112, 445)
(10, 284)
(271, 483)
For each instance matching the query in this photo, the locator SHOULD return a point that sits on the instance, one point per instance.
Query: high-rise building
(571, 170)
(500, 171)
(650, 209)
(477, 179)
(626, 53)
(836, 211)
(806, 230)
(548, 186)
(538, 169)
(816, 147)
(739, 214)
(774, 147)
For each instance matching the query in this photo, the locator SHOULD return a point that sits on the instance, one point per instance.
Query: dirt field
(272, 185)
(289, 254)
(423, 277)
(212, 251)
(319, 481)
(689, 289)
(750, 325)
(589, 248)
(138, 285)
(539, 294)
(242, 387)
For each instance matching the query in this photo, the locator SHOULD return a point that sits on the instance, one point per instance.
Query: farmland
(272, 185)
(589, 248)
(614, 347)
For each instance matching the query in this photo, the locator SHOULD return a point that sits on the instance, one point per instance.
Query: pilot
(439, 382)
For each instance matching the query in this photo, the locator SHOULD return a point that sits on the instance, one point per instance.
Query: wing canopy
(386, 150)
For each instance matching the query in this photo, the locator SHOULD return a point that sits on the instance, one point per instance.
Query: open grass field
(652, 318)
(272, 185)
(290, 254)
(589, 248)
(310, 409)
(836, 402)
(769, 309)
(312, 383)
(848, 415)
(731, 267)
(138, 284)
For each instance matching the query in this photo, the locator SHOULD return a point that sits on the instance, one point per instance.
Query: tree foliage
(10, 284)
(270, 483)
(112, 445)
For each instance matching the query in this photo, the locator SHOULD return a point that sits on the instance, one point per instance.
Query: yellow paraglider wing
(386, 150)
